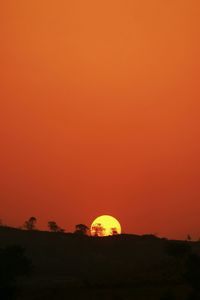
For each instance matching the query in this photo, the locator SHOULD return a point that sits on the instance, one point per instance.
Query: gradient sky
(100, 113)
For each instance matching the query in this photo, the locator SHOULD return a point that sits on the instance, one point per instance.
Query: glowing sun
(105, 225)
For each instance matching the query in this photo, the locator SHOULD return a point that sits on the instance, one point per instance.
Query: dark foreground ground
(57, 266)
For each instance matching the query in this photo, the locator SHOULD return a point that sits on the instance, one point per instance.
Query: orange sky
(99, 113)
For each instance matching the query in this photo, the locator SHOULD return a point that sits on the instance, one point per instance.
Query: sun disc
(105, 225)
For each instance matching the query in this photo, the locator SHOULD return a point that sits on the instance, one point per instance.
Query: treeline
(81, 229)
(31, 224)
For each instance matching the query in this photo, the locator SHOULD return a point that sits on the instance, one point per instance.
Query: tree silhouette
(98, 230)
(30, 224)
(114, 231)
(52, 225)
(81, 229)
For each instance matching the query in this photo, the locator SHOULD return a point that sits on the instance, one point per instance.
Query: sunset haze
(100, 113)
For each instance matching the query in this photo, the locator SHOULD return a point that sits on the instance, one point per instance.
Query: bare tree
(81, 229)
(30, 224)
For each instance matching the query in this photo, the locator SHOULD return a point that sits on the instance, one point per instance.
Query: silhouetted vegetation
(114, 231)
(97, 230)
(81, 229)
(52, 225)
(30, 224)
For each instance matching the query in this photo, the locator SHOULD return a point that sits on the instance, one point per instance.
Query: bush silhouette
(81, 229)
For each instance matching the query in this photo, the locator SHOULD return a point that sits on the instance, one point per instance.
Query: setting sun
(104, 226)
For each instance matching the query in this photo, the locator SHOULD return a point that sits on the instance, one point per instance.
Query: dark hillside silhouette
(67, 265)
(13, 264)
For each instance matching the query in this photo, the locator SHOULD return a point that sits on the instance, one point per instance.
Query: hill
(82, 267)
